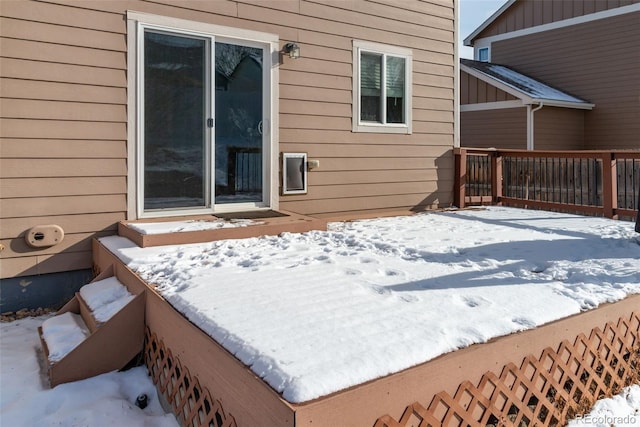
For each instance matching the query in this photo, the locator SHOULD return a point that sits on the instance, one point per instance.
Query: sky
(472, 14)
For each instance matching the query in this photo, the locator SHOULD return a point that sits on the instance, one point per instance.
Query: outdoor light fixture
(292, 49)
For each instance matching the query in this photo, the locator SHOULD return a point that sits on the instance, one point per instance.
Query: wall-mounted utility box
(294, 173)
(42, 236)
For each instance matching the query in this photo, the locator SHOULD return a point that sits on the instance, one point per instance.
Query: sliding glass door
(202, 124)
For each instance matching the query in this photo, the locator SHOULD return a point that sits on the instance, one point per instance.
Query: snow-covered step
(99, 330)
(63, 333)
(100, 300)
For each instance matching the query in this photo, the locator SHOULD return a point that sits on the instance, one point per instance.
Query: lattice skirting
(540, 391)
(192, 403)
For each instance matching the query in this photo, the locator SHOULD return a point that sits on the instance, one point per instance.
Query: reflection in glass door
(175, 111)
(192, 158)
(239, 123)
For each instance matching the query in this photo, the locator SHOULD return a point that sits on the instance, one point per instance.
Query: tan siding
(71, 224)
(44, 264)
(64, 117)
(63, 128)
(68, 205)
(50, 52)
(61, 148)
(32, 89)
(597, 61)
(53, 110)
(529, 13)
(64, 73)
(39, 167)
(43, 187)
(399, 201)
(504, 128)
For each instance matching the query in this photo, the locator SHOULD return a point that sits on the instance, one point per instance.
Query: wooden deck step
(253, 224)
(110, 344)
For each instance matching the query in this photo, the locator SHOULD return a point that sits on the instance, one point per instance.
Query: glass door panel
(239, 123)
(175, 112)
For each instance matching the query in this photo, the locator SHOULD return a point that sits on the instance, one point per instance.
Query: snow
(108, 400)
(185, 226)
(318, 312)
(63, 333)
(622, 410)
(105, 297)
(103, 401)
(521, 82)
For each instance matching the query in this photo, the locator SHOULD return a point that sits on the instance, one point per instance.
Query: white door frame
(136, 24)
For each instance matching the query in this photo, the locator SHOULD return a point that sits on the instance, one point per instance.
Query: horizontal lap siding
(64, 118)
(559, 129)
(503, 128)
(63, 129)
(365, 171)
(530, 13)
(598, 61)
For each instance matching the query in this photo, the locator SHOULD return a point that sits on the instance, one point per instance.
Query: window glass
(483, 54)
(378, 72)
(370, 87)
(395, 89)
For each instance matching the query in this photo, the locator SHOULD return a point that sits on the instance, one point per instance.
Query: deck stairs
(107, 344)
(106, 324)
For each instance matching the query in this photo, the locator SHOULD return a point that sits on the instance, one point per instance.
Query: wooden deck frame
(286, 222)
(209, 376)
(112, 344)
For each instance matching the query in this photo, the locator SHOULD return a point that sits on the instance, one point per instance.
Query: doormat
(252, 215)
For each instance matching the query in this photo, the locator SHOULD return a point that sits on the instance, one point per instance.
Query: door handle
(260, 127)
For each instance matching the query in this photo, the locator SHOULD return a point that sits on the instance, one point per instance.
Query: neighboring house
(582, 56)
(121, 110)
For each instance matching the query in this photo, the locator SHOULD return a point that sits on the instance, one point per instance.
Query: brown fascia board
(468, 41)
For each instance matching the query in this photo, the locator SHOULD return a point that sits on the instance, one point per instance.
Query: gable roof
(528, 89)
(489, 20)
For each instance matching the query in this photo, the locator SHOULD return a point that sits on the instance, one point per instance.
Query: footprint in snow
(524, 322)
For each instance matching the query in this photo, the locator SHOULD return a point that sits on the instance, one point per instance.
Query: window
(483, 54)
(382, 88)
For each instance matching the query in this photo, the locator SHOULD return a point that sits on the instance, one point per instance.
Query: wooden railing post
(460, 165)
(496, 178)
(609, 185)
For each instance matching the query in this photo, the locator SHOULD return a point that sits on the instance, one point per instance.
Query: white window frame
(479, 52)
(136, 23)
(358, 125)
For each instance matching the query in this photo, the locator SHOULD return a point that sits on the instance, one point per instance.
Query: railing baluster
(587, 182)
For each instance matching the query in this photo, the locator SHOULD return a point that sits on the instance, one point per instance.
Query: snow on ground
(318, 312)
(104, 401)
(622, 410)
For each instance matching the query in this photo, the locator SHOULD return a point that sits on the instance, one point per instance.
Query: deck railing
(604, 183)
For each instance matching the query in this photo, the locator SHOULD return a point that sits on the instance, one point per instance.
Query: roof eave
(526, 99)
(485, 24)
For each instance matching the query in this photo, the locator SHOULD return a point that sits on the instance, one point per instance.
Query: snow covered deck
(322, 313)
